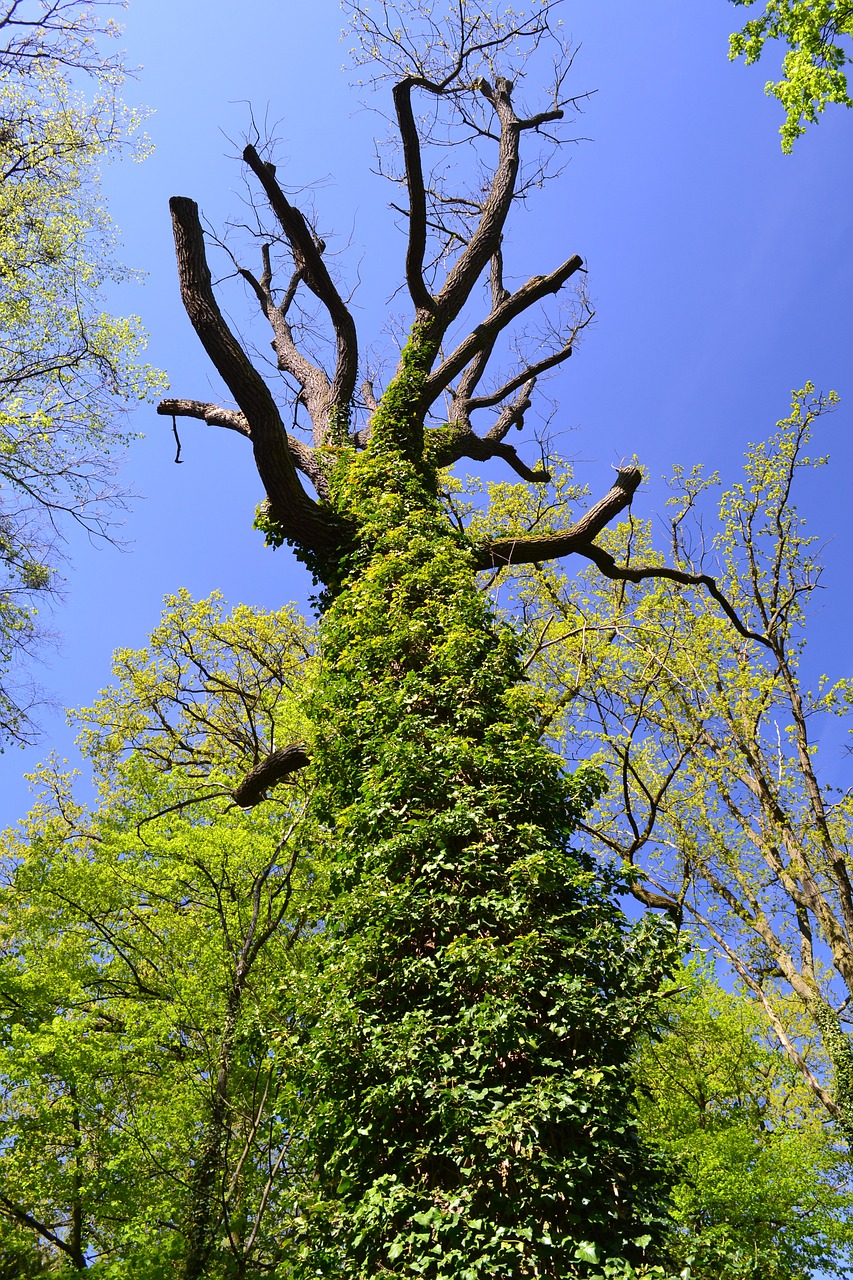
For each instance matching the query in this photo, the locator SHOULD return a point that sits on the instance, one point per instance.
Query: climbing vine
(479, 992)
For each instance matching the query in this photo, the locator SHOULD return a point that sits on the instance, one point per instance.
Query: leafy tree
(147, 978)
(136, 1052)
(762, 1188)
(67, 369)
(718, 805)
(817, 35)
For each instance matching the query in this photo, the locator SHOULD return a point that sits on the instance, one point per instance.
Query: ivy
(478, 990)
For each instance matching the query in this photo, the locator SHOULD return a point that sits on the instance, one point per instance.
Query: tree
(131, 1003)
(67, 369)
(761, 1188)
(478, 991)
(148, 982)
(817, 35)
(718, 805)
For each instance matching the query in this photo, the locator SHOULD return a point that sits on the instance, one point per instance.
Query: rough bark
(271, 770)
(300, 518)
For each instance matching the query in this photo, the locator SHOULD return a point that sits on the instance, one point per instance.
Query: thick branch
(416, 248)
(487, 236)
(312, 379)
(299, 516)
(309, 261)
(512, 415)
(213, 414)
(550, 546)
(271, 770)
(304, 457)
(465, 444)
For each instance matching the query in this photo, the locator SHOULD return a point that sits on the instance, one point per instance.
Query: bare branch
(608, 566)
(299, 517)
(303, 456)
(312, 379)
(309, 262)
(213, 414)
(537, 288)
(524, 375)
(416, 248)
(456, 441)
(486, 238)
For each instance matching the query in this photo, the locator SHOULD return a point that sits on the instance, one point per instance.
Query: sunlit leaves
(68, 370)
(761, 1187)
(817, 34)
(147, 966)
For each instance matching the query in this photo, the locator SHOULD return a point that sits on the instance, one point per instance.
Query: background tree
(717, 805)
(147, 979)
(762, 1187)
(67, 369)
(817, 34)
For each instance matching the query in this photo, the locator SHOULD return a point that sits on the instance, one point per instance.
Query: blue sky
(721, 271)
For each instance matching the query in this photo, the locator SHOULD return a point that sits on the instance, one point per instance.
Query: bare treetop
(454, 67)
(58, 31)
(454, 71)
(450, 48)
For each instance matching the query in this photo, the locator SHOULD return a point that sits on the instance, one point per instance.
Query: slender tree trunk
(204, 1214)
(75, 1240)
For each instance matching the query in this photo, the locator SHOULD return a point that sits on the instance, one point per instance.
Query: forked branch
(309, 263)
(484, 334)
(298, 516)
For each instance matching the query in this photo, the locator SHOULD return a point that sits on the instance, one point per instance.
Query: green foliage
(762, 1188)
(718, 803)
(478, 990)
(817, 35)
(67, 369)
(148, 969)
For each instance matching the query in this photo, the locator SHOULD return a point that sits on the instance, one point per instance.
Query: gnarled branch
(298, 515)
(271, 770)
(486, 238)
(531, 548)
(304, 457)
(213, 414)
(461, 443)
(604, 561)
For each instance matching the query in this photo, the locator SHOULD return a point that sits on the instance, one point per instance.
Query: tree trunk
(469, 1072)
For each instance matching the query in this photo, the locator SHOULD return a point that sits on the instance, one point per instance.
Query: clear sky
(721, 270)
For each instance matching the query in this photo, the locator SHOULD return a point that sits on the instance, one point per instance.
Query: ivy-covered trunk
(469, 1072)
(466, 1069)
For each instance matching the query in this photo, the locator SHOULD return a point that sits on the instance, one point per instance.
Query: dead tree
(451, 234)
